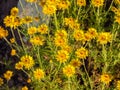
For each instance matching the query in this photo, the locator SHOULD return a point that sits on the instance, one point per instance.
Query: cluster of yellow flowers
(26, 61)
(13, 21)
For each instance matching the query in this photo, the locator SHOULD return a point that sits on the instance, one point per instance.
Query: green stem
(39, 59)
(56, 23)
(69, 81)
(22, 41)
(104, 58)
(87, 75)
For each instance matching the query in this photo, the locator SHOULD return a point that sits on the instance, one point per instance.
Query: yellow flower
(37, 40)
(27, 19)
(8, 74)
(42, 2)
(1, 81)
(13, 52)
(118, 85)
(104, 37)
(75, 26)
(78, 35)
(51, 2)
(66, 48)
(117, 19)
(105, 78)
(3, 33)
(38, 74)
(19, 65)
(97, 3)
(87, 37)
(25, 88)
(92, 32)
(82, 53)
(32, 30)
(14, 11)
(62, 4)
(12, 21)
(75, 63)
(49, 9)
(69, 21)
(116, 10)
(69, 70)
(62, 56)
(12, 40)
(29, 80)
(60, 41)
(43, 29)
(81, 2)
(31, 1)
(27, 61)
(117, 1)
(61, 33)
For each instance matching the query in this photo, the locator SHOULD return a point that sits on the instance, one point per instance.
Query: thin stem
(104, 58)
(39, 59)
(56, 23)
(22, 41)
(87, 75)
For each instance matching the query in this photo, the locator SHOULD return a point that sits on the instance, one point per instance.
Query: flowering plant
(77, 49)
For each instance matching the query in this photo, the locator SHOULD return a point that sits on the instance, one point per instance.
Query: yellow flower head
(66, 48)
(31, 1)
(13, 52)
(69, 21)
(38, 74)
(117, 19)
(104, 37)
(116, 10)
(63, 4)
(3, 33)
(19, 65)
(69, 70)
(117, 2)
(29, 80)
(60, 41)
(32, 30)
(87, 37)
(27, 20)
(12, 40)
(62, 56)
(1, 81)
(12, 22)
(49, 9)
(51, 2)
(75, 62)
(25, 88)
(81, 2)
(82, 53)
(118, 85)
(43, 29)
(14, 11)
(8, 74)
(37, 40)
(75, 26)
(42, 2)
(78, 35)
(61, 34)
(105, 78)
(92, 32)
(97, 3)
(27, 61)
